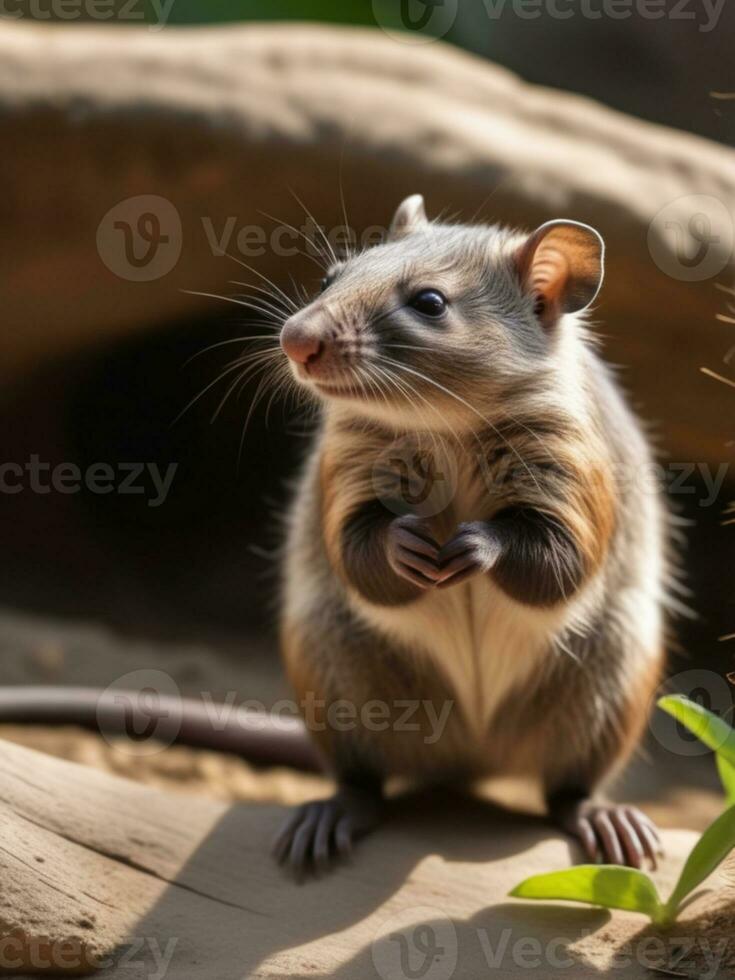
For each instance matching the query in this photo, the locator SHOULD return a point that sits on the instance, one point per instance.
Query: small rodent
(469, 547)
(527, 591)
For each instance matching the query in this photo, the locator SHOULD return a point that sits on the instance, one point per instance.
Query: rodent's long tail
(263, 739)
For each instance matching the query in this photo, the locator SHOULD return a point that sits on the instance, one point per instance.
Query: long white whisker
(350, 251)
(431, 350)
(405, 391)
(289, 302)
(432, 408)
(256, 398)
(285, 383)
(227, 299)
(316, 225)
(268, 293)
(223, 343)
(285, 224)
(367, 373)
(250, 366)
(228, 370)
(277, 312)
(472, 408)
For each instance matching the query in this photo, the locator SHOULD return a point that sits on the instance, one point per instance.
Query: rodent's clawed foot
(413, 554)
(474, 548)
(318, 834)
(612, 833)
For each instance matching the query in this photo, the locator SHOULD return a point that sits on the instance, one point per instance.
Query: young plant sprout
(710, 729)
(631, 890)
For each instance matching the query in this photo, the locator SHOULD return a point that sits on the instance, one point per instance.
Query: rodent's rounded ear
(410, 216)
(562, 264)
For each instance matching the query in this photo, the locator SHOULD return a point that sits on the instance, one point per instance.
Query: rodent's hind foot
(317, 835)
(611, 833)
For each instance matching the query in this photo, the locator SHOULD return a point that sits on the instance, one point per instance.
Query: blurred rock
(207, 129)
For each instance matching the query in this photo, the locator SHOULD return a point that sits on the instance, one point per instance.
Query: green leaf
(727, 775)
(711, 850)
(707, 726)
(606, 885)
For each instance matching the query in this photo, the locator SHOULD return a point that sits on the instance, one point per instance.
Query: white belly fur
(482, 641)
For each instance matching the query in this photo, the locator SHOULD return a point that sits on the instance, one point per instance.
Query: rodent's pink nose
(300, 344)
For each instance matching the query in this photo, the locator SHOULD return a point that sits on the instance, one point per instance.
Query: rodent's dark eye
(429, 302)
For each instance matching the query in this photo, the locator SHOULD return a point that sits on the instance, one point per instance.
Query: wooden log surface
(223, 123)
(141, 883)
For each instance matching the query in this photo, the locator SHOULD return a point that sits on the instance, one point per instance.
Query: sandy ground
(100, 861)
(677, 793)
(706, 932)
(220, 776)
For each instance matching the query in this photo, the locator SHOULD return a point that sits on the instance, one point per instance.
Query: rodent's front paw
(412, 552)
(474, 549)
